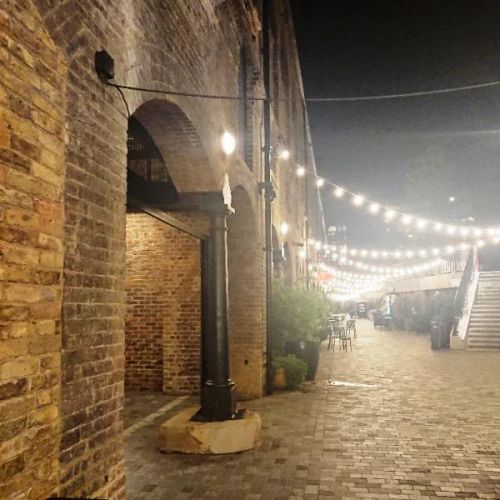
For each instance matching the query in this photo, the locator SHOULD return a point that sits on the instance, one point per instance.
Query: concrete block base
(182, 435)
(456, 343)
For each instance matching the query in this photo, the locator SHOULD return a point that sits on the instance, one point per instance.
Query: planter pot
(306, 350)
(279, 380)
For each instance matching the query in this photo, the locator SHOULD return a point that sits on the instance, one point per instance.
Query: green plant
(295, 370)
(298, 315)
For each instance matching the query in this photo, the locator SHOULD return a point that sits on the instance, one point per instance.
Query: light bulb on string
(406, 219)
(284, 154)
(390, 214)
(338, 192)
(421, 223)
(301, 171)
(320, 182)
(358, 200)
(374, 208)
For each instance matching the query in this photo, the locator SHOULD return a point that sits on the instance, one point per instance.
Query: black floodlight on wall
(104, 65)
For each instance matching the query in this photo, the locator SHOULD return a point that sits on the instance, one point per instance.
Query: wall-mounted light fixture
(228, 143)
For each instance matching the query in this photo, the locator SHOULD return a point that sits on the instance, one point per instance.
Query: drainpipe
(306, 195)
(268, 189)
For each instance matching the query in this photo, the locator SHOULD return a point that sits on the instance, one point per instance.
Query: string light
(406, 219)
(301, 171)
(358, 200)
(284, 154)
(398, 254)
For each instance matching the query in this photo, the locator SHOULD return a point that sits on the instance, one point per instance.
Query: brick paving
(420, 425)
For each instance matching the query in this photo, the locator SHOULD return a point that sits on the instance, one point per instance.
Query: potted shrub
(292, 368)
(299, 323)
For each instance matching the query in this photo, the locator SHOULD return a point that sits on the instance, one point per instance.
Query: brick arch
(246, 296)
(180, 145)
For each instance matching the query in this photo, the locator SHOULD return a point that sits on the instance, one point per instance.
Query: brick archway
(163, 251)
(180, 146)
(246, 297)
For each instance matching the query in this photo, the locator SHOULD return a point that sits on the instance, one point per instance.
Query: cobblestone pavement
(420, 424)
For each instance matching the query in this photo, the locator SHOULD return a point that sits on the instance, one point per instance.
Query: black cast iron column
(218, 399)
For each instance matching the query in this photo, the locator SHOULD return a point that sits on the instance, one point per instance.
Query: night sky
(449, 145)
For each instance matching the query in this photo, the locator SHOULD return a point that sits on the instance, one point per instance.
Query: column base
(218, 402)
(182, 434)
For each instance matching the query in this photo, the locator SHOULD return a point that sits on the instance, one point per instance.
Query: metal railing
(464, 297)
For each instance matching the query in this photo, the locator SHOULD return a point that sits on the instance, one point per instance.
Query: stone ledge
(456, 343)
(180, 434)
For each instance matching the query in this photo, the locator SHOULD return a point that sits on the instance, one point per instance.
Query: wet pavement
(390, 420)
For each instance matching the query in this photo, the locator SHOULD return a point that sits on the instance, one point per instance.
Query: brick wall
(32, 107)
(163, 322)
(158, 43)
(246, 297)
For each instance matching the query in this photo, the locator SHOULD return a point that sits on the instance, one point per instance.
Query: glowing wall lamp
(228, 143)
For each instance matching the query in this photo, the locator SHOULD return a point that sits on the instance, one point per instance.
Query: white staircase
(484, 325)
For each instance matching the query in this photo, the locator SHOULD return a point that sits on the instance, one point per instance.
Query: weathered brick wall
(32, 108)
(163, 322)
(174, 44)
(246, 297)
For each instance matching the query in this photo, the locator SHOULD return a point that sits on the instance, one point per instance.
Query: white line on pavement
(152, 416)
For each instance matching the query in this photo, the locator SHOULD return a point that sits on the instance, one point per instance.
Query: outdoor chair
(345, 336)
(337, 332)
(351, 327)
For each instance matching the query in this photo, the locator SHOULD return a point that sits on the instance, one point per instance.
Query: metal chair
(344, 337)
(338, 332)
(351, 327)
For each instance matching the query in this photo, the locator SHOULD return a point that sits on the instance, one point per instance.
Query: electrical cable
(404, 95)
(125, 101)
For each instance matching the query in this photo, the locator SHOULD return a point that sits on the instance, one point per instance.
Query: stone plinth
(457, 343)
(182, 435)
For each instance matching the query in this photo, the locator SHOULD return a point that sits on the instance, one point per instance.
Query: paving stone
(425, 425)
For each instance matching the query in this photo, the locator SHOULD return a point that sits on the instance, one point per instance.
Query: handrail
(464, 296)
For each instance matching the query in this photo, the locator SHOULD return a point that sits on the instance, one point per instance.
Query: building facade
(106, 201)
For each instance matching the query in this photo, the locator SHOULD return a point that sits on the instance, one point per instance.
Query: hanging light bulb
(358, 200)
(421, 223)
(338, 192)
(478, 232)
(284, 228)
(302, 253)
(438, 227)
(300, 171)
(374, 208)
(390, 214)
(406, 219)
(464, 231)
(451, 229)
(320, 182)
(284, 154)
